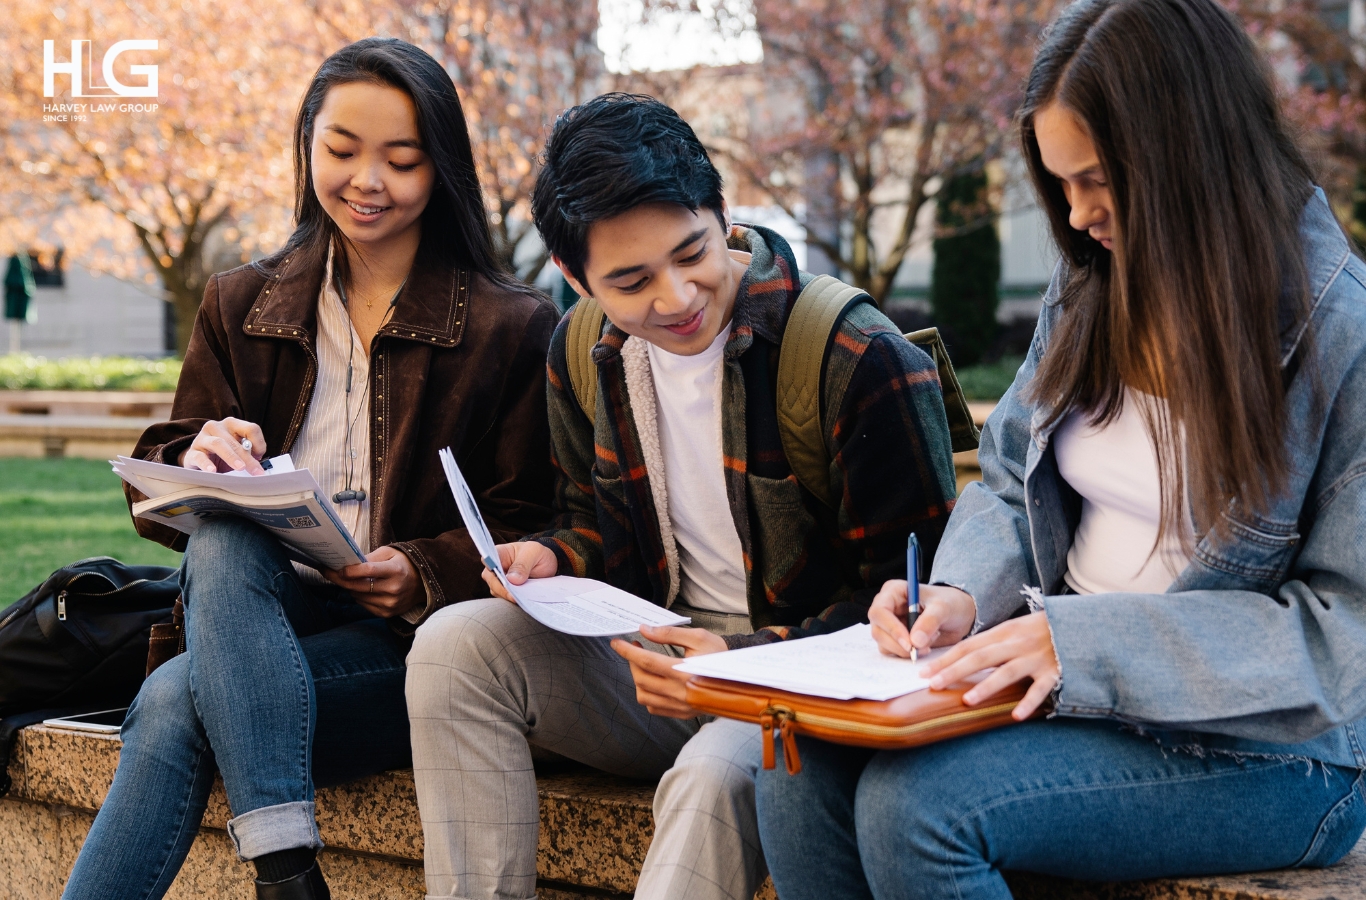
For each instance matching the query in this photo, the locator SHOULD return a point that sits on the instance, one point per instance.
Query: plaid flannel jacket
(809, 569)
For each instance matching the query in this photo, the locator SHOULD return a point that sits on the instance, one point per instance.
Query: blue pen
(912, 586)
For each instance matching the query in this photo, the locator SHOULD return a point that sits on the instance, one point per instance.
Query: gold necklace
(370, 304)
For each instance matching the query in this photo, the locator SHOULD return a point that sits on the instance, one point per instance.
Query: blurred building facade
(77, 313)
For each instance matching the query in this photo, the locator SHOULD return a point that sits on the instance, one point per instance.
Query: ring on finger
(372, 585)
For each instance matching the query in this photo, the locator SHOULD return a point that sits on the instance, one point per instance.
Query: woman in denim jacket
(1167, 535)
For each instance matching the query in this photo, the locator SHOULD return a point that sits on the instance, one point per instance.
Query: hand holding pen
(227, 445)
(912, 588)
(908, 617)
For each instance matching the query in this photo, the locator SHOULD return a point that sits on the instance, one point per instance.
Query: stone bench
(119, 404)
(90, 437)
(90, 424)
(595, 830)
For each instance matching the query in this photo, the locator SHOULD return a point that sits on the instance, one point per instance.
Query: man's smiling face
(661, 272)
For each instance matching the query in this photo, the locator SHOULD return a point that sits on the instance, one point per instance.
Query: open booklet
(286, 501)
(578, 606)
(846, 665)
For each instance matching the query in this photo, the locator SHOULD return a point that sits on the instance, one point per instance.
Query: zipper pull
(766, 723)
(790, 757)
(61, 607)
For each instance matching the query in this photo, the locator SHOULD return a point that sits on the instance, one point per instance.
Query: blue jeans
(282, 685)
(1068, 797)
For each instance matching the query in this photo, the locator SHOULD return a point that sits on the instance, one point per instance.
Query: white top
(1114, 468)
(322, 445)
(688, 394)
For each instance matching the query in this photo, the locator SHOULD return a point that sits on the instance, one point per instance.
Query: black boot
(307, 885)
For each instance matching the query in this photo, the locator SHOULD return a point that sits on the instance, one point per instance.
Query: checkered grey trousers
(484, 678)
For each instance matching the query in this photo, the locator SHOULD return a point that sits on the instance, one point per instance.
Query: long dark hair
(1207, 269)
(455, 227)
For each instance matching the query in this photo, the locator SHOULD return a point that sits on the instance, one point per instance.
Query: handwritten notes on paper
(842, 666)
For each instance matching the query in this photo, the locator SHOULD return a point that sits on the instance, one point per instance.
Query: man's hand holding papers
(525, 573)
(578, 606)
(661, 687)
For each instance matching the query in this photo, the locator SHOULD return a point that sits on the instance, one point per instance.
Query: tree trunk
(821, 173)
(183, 276)
(185, 304)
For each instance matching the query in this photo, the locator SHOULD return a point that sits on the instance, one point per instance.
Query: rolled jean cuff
(285, 826)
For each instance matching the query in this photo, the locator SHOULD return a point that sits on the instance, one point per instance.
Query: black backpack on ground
(79, 639)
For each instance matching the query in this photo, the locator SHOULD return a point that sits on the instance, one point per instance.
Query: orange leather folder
(911, 720)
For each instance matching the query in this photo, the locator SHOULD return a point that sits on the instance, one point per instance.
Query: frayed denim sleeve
(1263, 636)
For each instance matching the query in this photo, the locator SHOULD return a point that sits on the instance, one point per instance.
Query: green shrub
(23, 372)
(964, 279)
(989, 381)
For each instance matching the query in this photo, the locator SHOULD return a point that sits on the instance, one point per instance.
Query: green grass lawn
(56, 511)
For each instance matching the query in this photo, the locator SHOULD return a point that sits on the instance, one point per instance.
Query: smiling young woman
(383, 332)
(1174, 480)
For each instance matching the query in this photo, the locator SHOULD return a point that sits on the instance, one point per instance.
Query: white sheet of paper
(577, 606)
(278, 465)
(842, 666)
(155, 479)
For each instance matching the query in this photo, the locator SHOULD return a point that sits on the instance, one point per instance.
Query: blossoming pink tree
(860, 110)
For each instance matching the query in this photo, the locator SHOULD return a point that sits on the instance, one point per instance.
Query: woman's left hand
(386, 584)
(1018, 648)
(660, 689)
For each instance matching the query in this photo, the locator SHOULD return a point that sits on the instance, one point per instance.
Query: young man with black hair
(677, 490)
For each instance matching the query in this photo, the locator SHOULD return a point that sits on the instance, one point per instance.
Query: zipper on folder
(766, 723)
(782, 718)
(790, 757)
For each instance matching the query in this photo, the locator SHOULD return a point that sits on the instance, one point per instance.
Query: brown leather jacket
(461, 363)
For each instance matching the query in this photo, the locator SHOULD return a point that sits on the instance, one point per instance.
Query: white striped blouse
(323, 446)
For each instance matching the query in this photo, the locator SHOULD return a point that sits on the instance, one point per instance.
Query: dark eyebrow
(406, 142)
(630, 270)
(1087, 172)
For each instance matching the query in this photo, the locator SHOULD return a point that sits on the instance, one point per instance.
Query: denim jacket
(1258, 648)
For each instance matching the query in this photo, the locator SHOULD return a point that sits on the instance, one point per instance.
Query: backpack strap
(585, 329)
(811, 328)
(962, 429)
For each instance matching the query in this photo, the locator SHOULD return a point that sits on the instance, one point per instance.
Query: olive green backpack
(811, 327)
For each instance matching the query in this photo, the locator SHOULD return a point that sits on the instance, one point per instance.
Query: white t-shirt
(710, 559)
(1114, 468)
